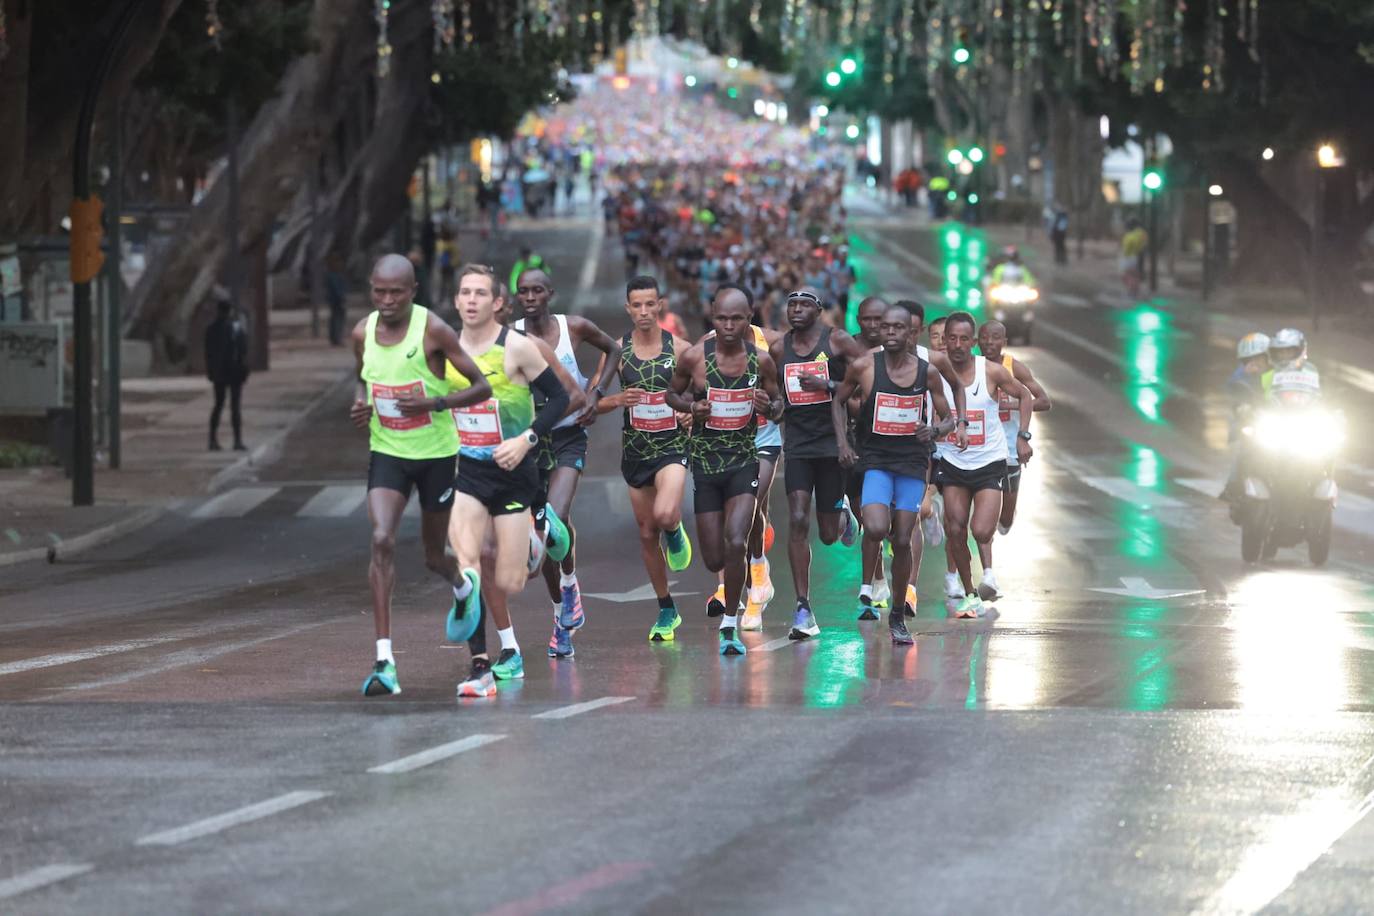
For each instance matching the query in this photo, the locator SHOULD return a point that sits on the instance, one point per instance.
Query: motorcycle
(1289, 493)
(1013, 305)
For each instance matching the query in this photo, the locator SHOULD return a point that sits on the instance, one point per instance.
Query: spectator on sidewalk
(334, 293)
(1059, 234)
(1134, 244)
(226, 366)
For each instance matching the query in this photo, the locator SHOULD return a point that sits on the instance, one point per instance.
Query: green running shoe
(681, 557)
(668, 621)
(557, 533)
(730, 642)
(509, 666)
(382, 681)
(459, 627)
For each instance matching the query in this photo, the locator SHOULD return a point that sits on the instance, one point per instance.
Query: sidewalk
(166, 423)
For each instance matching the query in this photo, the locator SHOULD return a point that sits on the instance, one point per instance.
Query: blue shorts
(897, 491)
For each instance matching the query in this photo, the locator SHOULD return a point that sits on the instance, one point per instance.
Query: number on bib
(384, 404)
(479, 425)
(731, 408)
(653, 415)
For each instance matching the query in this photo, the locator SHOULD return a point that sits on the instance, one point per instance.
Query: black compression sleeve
(555, 405)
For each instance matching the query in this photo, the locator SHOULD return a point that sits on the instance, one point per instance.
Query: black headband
(804, 294)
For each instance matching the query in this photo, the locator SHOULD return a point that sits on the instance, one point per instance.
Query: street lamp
(1267, 154)
(1215, 190)
(690, 81)
(1328, 157)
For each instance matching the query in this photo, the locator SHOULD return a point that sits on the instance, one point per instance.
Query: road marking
(642, 593)
(40, 877)
(235, 503)
(334, 502)
(566, 893)
(1293, 843)
(1070, 300)
(435, 754)
(67, 658)
(231, 819)
(587, 278)
(578, 709)
(1123, 489)
(1101, 351)
(776, 644)
(1133, 587)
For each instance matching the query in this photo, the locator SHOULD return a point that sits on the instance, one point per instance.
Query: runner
(992, 342)
(768, 445)
(972, 479)
(812, 358)
(870, 317)
(937, 334)
(401, 349)
(894, 446)
(929, 519)
(653, 446)
(497, 480)
(563, 454)
(731, 383)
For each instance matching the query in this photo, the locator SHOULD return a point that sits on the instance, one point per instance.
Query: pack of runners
(489, 425)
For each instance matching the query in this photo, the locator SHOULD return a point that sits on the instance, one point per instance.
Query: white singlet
(986, 441)
(1010, 416)
(564, 352)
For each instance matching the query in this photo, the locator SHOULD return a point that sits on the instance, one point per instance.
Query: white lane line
(435, 754)
(1207, 486)
(67, 658)
(40, 877)
(1125, 490)
(1070, 300)
(587, 278)
(577, 709)
(776, 644)
(236, 502)
(334, 502)
(1099, 350)
(231, 819)
(1292, 844)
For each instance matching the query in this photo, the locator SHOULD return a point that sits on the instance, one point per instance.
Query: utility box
(32, 366)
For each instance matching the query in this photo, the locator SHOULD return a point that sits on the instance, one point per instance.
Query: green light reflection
(1148, 349)
(835, 676)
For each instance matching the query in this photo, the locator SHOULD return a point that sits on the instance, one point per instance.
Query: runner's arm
(768, 375)
(946, 369)
(946, 425)
(360, 412)
(586, 330)
(445, 339)
(999, 377)
(1023, 375)
(839, 413)
(576, 396)
(677, 397)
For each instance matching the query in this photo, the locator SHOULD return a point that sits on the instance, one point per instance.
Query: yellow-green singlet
(392, 371)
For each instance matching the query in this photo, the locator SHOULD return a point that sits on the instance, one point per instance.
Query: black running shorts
(989, 477)
(564, 448)
(501, 492)
(433, 477)
(1013, 478)
(821, 476)
(769, 452)
(640, 474)
(714, 491)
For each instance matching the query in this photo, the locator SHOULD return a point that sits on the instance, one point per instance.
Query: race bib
(896, 414)
(653, 415)
(731, 408)
(1005, 406)
(384, 403)
(976, 434)
(479, 425)
(792, 376)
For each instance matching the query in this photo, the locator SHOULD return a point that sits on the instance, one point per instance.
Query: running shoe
(560, 643)
(382, 680)
(761, 582)
(987, 589)
(537, 549)
(715, 605)
(462, 622)
(729, 642)
(933, 530)
(479, 682)
(752, 618)
(910, 607)
(510, 666)
(896, 625)
(768, 537)
(849, 534)
(570, 615)
(866, 611)
(970, 607)
(559, 540)
(882, 592)
(668, 621)
(953, 587)
(681, 558)
(804, 624)
(1003, 530)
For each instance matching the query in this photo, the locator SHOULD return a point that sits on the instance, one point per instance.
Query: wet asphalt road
(180, 729)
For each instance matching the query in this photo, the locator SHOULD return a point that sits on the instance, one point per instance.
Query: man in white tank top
(992, 342)
(972, 478)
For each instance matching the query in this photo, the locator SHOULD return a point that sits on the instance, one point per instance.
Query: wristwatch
(531, 437)
(961, 421)
(1024, 434)
(438, 405)
(830, 386)
(600, 392)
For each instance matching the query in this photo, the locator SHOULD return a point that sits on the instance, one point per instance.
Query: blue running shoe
(557, 534)
(729, 642)
(866, 611)
(849, 534)
(570, 614)
(462, 622)
(382, 680)
(560, 643)
(804, 624)
(509, 666)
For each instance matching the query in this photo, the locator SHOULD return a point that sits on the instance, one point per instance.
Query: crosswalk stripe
(40, 877)
(1207, 486)
(334, 502)
(236, 502)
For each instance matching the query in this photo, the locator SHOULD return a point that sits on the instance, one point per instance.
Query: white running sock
(508, 639)
(866, 590)
(384, 651)
(557, 609)
(729, 620)
(462, 591)
(567, 580)
(987, 574)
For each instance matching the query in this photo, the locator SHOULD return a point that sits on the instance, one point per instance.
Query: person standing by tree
(226, 366)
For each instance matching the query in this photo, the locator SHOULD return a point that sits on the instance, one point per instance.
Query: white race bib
(653, 415)
(479, 425)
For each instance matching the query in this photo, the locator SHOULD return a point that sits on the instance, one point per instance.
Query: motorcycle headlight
(1270, 431)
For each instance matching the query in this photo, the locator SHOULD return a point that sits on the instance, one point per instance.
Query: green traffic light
(1153, 180)
(832, 79)
(952, 195)
(732, 92)
(956, 156)
(961, 55)
(849, 65)
(975, 154)
(973, 198)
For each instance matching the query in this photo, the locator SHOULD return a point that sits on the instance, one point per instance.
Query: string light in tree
(467, 23)
(441, 12)
(213, 27)
(381, 12)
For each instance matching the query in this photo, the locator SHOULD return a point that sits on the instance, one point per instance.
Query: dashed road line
(221, 822)
(576, 709)
(236, 502)
(434, 754)
(40, 877)
(776, 644)
(334, 502)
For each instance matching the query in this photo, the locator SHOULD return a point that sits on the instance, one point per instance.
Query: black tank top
(888, 421)
(646, 432)
(726, 440)
(808, 430)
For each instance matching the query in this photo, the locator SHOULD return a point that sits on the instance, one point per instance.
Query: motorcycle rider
(1292, 380)
(1011, 272)
(1245, 390)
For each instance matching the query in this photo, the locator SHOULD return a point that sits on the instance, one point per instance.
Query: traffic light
(975, 154)
(1153, 177)
(955, 156)
(832, 79)
(732, 92)
(848, 66)
(86, 257)
(962, 54)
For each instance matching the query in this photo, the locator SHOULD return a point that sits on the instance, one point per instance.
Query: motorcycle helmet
(1252, 345)
(1288, 345)
(1011, 253)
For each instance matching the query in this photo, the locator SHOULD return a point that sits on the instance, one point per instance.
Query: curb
(84, 542)
(271, 449)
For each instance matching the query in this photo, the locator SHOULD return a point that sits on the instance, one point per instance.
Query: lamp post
(1328, 157)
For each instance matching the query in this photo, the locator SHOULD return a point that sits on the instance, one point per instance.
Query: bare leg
(642, 502)
(384, 508)
(799, 540)
(957, 506)
(562, 489)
